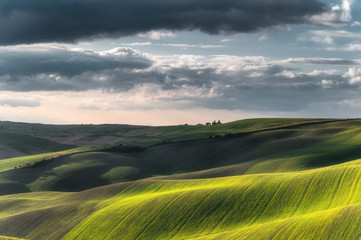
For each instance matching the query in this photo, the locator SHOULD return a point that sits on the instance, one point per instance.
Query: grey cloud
(178, 45)
(19, 103)
(33, 69)
(252, 83)
(322, 61)
(31, 61)
(34, 21)
(263, 89)
(268, 89)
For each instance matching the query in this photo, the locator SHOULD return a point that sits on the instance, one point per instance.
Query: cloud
(38, 21)
(334, 33)
(352, 47)
(86, 106)
(63, 108)
(354, 76)
(339, 15)
(27, 68)
(145, 81)
(321, 61)
(28, 61)
(139, 44)
(226, 40)
(8, 102)
(156, 35)
(327, 36)
(356, 24)
(177, 45)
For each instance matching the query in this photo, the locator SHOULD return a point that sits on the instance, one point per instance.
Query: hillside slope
(84, 135)
(275, 150)
(14, 144)
(294, 182)
(298, 205)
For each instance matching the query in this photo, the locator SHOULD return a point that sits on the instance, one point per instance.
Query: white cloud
(348, 48)
(156, 35)
(354, 75)
(339, 15)
(327, 83)
(356, 24)
(139, 44)
(286, 74)
(326, 40)
(193, 81)
(334, 33)
(177, 45)
(327, 36)
(227, 40)
(221, 64)
(182, 45)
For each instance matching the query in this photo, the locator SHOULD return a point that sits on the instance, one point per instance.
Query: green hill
(273, 150)
(283, 181)
(84, 135)
(14, 144)
(228, 207)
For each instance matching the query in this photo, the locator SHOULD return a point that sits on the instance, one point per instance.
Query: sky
(164, 62)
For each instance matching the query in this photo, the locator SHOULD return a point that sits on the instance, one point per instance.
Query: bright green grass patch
(20, 203)
(10, 238)
(178, 209)
(337, 223)
(164, 210)
(273, 196)
(11, 163)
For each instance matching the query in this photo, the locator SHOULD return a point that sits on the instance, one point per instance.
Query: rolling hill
(253, 179)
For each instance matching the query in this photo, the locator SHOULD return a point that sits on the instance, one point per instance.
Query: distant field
(275, 150)
(83, 135)
(23, 139)
(275, 179)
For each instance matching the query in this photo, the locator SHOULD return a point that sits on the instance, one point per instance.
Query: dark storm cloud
(34, 21)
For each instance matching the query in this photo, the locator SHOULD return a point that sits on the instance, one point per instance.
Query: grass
(9, 238)
(181, 209)
(16, 144)
(145, 135)
(220, 208)
(275, 150)
(299, 182)
(184, 132)
(10, 163)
